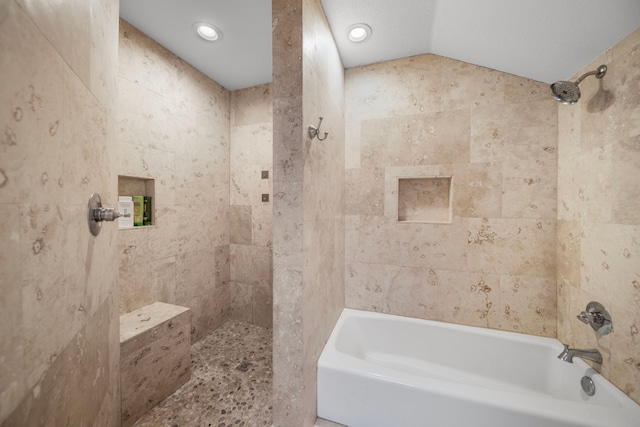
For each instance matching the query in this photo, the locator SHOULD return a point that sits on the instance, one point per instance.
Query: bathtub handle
(598, 317)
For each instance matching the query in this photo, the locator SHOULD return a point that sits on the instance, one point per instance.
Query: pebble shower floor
(230, 383)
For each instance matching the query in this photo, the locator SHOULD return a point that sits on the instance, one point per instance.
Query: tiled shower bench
(155, 356)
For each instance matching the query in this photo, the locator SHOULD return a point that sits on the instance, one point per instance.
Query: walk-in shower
(569, 92)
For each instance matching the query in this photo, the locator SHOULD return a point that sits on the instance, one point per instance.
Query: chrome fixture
(598, 317)
(588, 386)
(314, 132)
(568, 354)
(96, 214)
(569, 92)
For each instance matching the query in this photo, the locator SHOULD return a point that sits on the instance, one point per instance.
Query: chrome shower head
(569, 92)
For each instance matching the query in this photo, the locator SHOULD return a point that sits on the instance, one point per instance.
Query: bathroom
(545, 214)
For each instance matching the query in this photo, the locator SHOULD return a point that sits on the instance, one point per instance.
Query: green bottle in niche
(138, 209)
(146, 211)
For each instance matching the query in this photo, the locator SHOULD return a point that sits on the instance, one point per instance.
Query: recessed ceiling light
(207, 31)
(359, 32)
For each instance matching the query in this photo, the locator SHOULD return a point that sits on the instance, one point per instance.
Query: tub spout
(569, 353)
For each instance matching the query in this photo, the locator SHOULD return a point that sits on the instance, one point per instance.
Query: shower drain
(588, 386)
(244, 366)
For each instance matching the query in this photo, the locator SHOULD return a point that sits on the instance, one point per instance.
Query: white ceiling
(544, 40)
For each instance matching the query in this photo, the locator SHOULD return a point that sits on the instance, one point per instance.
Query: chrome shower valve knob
(96, 214)
(598, 317)
(108, 214)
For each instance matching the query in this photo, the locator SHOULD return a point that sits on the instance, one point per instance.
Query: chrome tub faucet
(568, 354)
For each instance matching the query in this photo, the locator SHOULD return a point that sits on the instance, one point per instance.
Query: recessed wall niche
(135, 186)
(419, 194)
(426, 199)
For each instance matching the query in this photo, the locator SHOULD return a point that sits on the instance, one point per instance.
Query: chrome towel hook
(314, 132)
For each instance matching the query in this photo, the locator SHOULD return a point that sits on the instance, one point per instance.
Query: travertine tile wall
(599, 212)
(59, 350)
(308, 224)
(173, 127)
(251, 219)
(495, 134)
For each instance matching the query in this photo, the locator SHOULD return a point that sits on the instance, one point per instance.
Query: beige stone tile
(528, 305)
(287, 131)
(241, 302)
(376, 240)
(365, 286)
(408, 80)
(147, 163)
(424, 199)
(131, 120)
(465, 85)
(593, 189)
(529, 190)
(247, 185)
(86, 144)
(610, 111)
(12, 370)
(153, 372)
(200, 94)
(197, 182)
(287, 229)
(262, 225)
(262, 304)
(518, 89)
(78, 381)
(353, 144)
(321, 55)
(564, 318)
(365, 93)
(145, 63)
(503, 246)
(500, 133)
(440, 138)
(251, 144)
(71, 40)
(392, 174)
(625, 350)
(104, 52)
(52, 308)
(409, 292)
(364, 191)
(609, 262)
(240, 225)
(386, 142)
(252, 105)
(323, 186)
(250, 264)
(134, 283)
(469, 298)
(477, 189)
(31, 153)
(89, 261)
(320, 250)
(625, 181)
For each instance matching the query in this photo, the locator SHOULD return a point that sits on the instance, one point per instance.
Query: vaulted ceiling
(544, 40)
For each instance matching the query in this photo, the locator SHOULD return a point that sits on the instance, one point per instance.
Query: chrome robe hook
(314, 132)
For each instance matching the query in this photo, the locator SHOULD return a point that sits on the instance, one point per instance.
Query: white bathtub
(380, 370)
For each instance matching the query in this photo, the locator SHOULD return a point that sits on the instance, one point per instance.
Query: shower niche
(142, 187)
(425, 199)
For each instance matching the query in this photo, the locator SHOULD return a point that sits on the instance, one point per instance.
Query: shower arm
(599, 74)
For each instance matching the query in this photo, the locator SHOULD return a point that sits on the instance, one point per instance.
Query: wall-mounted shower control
(598, 317)
(96, 214)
